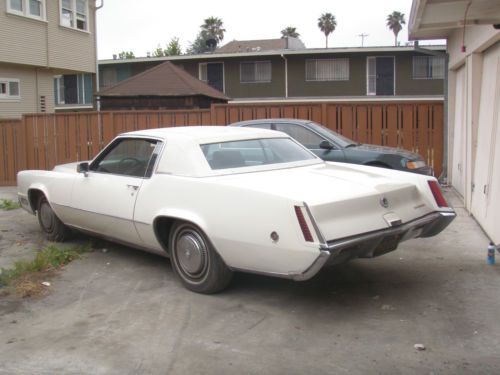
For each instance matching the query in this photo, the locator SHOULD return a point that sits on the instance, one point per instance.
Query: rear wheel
(54, 229)
(195, 261)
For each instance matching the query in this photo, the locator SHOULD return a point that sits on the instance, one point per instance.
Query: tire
(195, 261)
(53, 228)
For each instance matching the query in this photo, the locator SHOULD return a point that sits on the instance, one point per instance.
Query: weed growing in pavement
(8, 204)
(26, 276)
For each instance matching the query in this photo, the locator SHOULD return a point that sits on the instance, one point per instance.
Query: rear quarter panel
(238, 221)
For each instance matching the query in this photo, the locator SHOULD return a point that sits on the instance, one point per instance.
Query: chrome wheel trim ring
(47, 217)
(191, 253)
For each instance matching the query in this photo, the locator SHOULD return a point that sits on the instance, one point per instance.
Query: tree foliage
(126, 55)
(395, 22)
(173, 49)
(212, 28)
(327, 24)
(289, 32)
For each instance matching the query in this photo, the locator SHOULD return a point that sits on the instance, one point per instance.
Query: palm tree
(212, 28)
(289, 32)
(395, 20)
(327, 25)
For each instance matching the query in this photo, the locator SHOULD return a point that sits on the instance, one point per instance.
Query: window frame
(346, 59)
(7, 96)
(428, 67)
(74, 15)
(25, 12)
(59, 91)
(255, 71)
(150, 167)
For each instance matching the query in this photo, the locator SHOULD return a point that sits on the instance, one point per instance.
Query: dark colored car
(331, 146)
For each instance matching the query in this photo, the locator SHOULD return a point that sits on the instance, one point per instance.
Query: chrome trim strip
(321, 238)
(97, 213)
(314, 268)
(420, 222)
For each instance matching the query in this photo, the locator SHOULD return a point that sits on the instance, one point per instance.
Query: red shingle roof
(165, 79)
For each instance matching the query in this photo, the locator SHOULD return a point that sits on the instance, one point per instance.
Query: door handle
(135, 187)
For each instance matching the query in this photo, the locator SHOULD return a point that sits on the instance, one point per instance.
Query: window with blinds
(428, 67)
(256, 71)
(327, 70)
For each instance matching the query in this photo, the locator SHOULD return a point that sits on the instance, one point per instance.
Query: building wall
(34, 83)
(407, 85)
(474, 123)
(297, 84)
(47, 43)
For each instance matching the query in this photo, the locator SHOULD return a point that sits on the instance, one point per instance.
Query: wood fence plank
(42, 140)
(407, 126)
(423, 131)
(437, 139)
(392, 126)
(362, 124)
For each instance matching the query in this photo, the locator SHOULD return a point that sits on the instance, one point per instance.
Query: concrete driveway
(121, 311)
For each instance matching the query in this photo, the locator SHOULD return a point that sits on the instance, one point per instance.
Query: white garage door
(486, 195)
(459, 134)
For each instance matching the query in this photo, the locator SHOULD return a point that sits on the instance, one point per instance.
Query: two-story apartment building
(254, 74)
(47, 55)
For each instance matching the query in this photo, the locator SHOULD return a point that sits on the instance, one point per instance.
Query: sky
(141, 25)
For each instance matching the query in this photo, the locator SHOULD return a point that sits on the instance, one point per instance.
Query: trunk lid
(344, 201)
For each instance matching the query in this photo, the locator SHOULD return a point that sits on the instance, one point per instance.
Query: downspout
(286, 75)
(97, 83)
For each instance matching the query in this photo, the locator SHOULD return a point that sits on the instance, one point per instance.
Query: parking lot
(121, 311)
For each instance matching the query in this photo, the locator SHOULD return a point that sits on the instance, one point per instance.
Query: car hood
(343, 200)
(388, 150)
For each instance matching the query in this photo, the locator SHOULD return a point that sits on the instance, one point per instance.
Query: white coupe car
(221, 199)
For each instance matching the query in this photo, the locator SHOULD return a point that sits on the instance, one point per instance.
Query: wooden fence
(40, 141)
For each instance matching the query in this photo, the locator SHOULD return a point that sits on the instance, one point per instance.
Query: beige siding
(46, 43)
(34, 83)
(23, 39)
(69, 48)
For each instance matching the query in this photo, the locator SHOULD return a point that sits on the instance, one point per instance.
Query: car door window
(305, 136)
(128, 157)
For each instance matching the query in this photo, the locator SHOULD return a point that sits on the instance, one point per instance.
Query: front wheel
(196, 262)
(54, 229)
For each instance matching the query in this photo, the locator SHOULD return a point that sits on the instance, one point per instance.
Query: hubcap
(191, 252)
(46, 217)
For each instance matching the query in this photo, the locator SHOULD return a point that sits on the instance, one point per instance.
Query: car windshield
(344, 141)
(254, 152)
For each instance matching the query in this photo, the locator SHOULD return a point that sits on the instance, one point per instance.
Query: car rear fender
(164, 219)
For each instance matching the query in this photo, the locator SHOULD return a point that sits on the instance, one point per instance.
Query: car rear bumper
(372, 244)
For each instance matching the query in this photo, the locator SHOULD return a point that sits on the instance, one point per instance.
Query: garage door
(486, 195)
(459, 132)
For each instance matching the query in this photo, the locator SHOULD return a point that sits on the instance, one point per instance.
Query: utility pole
(362, 36)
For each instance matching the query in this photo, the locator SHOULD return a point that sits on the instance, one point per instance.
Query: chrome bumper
(372, 244)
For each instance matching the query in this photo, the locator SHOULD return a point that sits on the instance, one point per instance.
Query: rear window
(254, 152)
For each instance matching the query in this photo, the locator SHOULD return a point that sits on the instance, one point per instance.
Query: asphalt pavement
(122, 311)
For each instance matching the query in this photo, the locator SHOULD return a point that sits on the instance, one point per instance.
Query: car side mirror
(326, 145)
(83, 168)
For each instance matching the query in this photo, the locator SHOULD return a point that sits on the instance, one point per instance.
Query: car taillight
(303, 224)
(438, 194)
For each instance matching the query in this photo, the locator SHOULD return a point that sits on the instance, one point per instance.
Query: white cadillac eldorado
(221, 199)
